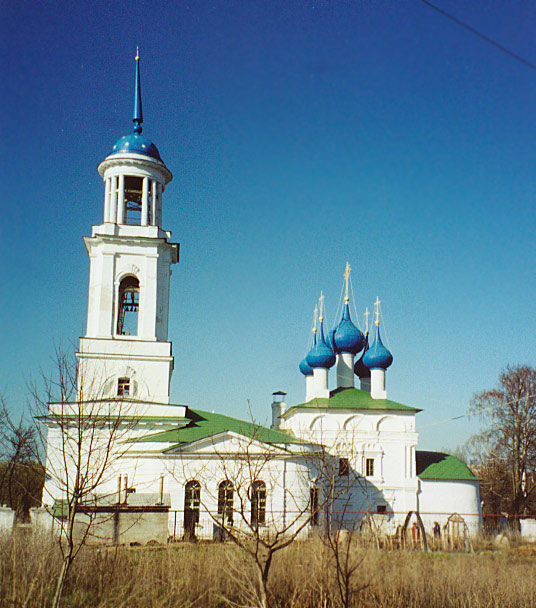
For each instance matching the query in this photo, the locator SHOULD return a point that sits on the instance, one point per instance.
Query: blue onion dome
(377, 356)
(360, 369)
(348, 338)
(305, 368)
(137, 144)
(321, 354)
(330, 341)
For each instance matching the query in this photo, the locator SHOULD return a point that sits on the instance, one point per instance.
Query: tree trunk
(56, 602)
(67, 559)
(263, 603)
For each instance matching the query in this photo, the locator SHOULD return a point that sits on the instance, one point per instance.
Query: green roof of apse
(207, 424)
(438, 465)
(60, 508)
(355, 399)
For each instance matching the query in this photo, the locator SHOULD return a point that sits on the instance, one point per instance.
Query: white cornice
(115, 162)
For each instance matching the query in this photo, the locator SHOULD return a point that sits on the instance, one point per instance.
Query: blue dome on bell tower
(136, 143)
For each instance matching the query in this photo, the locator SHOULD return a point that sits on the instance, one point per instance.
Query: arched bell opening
(129, 304)
(135, 190)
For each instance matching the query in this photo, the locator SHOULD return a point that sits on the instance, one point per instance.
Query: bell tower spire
(138, 112)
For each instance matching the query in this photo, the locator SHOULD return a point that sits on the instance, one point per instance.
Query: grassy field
(302, 576)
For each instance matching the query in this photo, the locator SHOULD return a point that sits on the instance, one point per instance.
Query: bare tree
(84, 440)
(21, 473)
(262, 497)
(241, 501)
(507, 446)
(348, 524)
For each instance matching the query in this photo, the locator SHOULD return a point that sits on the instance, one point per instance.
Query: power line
(476, 412)
(480, 35)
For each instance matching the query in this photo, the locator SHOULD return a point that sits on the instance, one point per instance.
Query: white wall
(7, 517)
(438, 499)
(149, 365)
(528, 529)
(387, 437)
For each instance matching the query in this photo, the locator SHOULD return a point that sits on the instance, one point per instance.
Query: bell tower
(125, 351)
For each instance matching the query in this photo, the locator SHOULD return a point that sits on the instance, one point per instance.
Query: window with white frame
(123, 387)
(258, 504)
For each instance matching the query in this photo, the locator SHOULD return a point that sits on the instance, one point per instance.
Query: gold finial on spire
(347, 272)
(321, 302)
(377, 311)
(137, 58)
(367, 314)
(315, 319)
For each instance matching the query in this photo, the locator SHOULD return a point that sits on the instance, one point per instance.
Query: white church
(343, 456)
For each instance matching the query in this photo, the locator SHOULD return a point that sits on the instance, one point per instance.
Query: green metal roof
(60, 508)
(438, 465)
(170, 420)
(206, 424)
(352, 398)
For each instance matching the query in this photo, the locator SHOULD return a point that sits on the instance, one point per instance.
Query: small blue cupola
(360, 369)
(305, 368)
(330, 339)
(347, 337)
(136, 143)
(377, 356)
(321, 354)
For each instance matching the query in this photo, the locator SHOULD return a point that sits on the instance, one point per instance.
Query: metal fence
(187, 526)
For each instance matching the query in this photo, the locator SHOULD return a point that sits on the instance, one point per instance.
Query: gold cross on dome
(377, 310)
(321, 302)
(367, 315)
(315, 319)
(347, 272)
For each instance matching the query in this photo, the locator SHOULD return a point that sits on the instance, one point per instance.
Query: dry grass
(213, 575)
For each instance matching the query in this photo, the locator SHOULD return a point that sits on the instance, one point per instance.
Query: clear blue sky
(300, 135)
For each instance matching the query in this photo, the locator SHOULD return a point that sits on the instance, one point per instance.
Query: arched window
(129, 303)
(258, 504)
(225, 502)
(192, 500)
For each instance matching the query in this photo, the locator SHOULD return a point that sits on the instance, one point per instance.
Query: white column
(320, 381)
(145, 201)
(107, 200)
(377, 384)
(345, 370)
(309, 388)
(154, 196)
(121, 200)
(113, 200)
